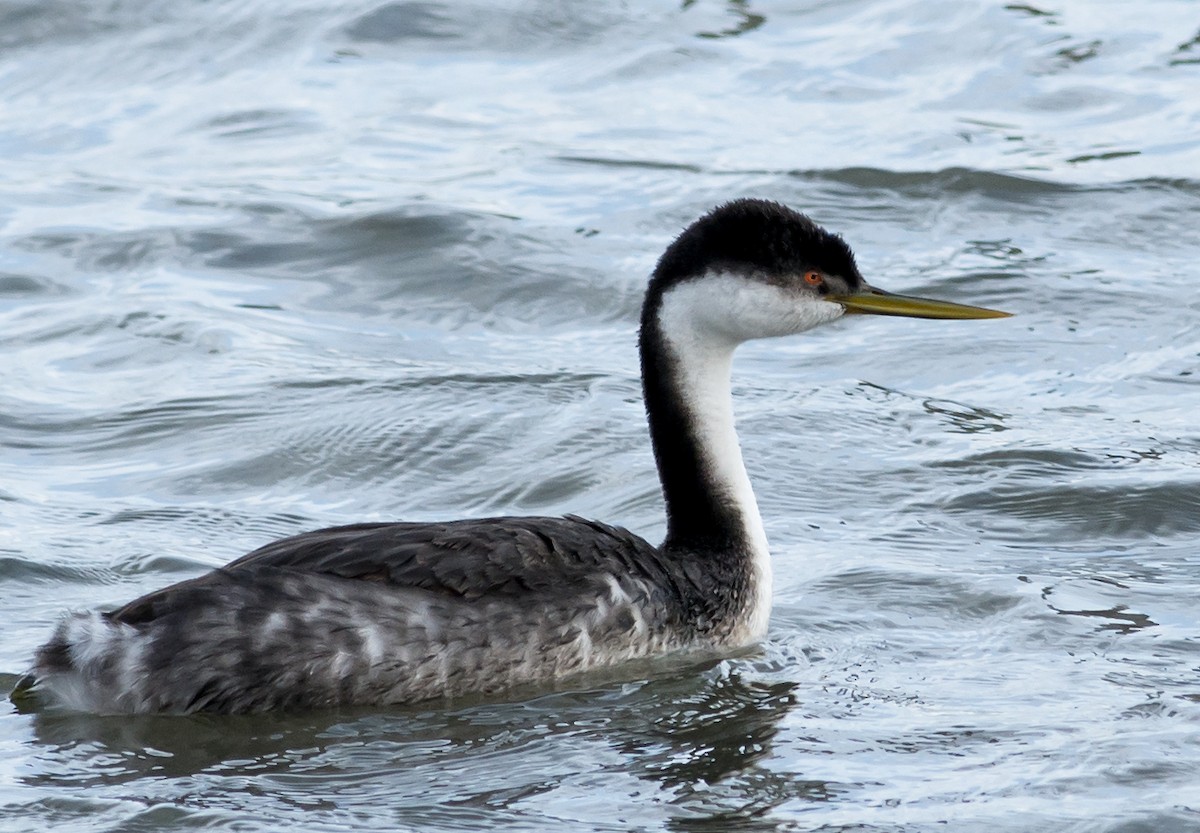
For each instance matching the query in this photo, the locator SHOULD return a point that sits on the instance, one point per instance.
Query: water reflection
(703, 739)
(965, 419)
(1032, 11)
(1188, 52)
(718, 731)
(709, 752)
(1115, 617)
(89, 750)
(747, 19)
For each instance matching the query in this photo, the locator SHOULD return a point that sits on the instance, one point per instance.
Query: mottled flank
(384, 613)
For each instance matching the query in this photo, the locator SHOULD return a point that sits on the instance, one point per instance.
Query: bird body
(381, 613)
(401, 612)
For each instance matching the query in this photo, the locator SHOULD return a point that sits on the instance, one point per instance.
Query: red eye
(814, 278)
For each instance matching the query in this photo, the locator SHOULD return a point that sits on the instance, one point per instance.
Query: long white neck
(703, 368)
(711, 509)
(690, 329)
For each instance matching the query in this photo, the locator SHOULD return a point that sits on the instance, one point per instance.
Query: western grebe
(386, 613)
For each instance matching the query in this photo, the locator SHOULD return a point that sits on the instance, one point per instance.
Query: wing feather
(496, 557)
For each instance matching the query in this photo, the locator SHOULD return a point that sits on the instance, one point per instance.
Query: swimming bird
(389, 613)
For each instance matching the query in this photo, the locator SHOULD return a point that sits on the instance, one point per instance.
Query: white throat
(703, 361)
(702, 322)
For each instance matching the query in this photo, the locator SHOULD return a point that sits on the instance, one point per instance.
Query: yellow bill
(872, 301)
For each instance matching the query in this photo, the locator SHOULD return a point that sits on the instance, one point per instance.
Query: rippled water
(266, 268)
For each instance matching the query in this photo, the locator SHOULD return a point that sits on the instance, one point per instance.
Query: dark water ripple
(264, 269)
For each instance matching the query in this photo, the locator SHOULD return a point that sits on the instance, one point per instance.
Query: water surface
(263, 271)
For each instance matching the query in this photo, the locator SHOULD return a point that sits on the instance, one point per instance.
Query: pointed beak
(872, 301)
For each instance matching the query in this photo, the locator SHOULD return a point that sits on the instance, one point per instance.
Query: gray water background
(268, 267)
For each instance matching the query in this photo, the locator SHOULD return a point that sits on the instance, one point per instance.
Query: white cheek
(738, 309)
(780, 312)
